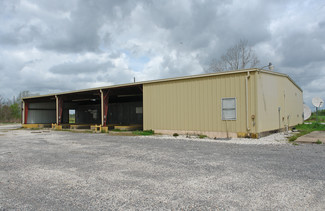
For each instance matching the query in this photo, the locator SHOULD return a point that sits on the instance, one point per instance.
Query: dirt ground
(56, 170)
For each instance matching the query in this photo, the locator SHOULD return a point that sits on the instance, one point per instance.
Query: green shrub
(175, 135)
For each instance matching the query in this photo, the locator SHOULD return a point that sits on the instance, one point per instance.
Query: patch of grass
(72, 118)
(35, 128)
(301, 133)
(116, 130)
(103, 131)
(175, 135)
(202, 136)
(311, 127)
(318, 142)
(144, 132)
(295, 144)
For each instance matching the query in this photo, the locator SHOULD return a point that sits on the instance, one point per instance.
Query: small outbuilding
(242, 103)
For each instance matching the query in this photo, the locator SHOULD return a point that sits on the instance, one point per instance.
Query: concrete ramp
(312, 137)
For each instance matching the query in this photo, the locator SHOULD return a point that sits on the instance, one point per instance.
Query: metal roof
(167, 79)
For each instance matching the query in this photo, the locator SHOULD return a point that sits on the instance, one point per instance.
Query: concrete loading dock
(240, 103)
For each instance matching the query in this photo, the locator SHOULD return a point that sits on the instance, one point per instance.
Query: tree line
(10, 109)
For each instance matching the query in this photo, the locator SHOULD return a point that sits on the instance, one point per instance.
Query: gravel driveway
(52, 170)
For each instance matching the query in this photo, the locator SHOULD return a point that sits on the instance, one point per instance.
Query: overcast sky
(60, 45)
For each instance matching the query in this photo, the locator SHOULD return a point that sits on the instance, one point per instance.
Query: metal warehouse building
(250, 102)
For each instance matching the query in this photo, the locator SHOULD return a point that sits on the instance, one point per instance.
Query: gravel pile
(274, 139)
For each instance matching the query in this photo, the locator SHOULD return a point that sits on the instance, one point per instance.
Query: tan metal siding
(195, 104)
(278, 91)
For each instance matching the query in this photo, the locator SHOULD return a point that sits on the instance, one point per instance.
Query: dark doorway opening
(82, 108)
(125, 106)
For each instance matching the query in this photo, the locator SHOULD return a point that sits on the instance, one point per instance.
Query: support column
(104, 105)
(25, 112)
(59, 109)
(22, 113)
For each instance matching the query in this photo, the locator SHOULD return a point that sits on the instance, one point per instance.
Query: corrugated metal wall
(195, 104)
(88, 114)
(41, 113)
(278, 92)
(125, 113)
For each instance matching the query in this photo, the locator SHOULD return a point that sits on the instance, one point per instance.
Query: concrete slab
(312, 137)
(81, 126)
(9, 126)
(128, 127)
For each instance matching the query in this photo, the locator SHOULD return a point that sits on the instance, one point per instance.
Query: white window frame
(222, 109)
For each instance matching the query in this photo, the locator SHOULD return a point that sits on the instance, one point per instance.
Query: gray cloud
(302, 49)
(74, 68)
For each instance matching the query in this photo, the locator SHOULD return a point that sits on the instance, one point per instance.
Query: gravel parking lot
(56, 170)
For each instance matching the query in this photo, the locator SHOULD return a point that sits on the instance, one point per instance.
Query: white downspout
(246, 84)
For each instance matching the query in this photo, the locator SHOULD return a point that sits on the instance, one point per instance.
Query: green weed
(202, 136)
(318, 142)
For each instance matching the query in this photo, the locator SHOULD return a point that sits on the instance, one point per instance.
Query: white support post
(57, 109)
(23, 113)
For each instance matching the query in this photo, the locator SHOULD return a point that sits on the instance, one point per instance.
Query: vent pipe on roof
(270, 66)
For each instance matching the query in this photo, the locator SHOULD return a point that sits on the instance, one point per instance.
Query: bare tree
(240, 56)
(23, 94)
